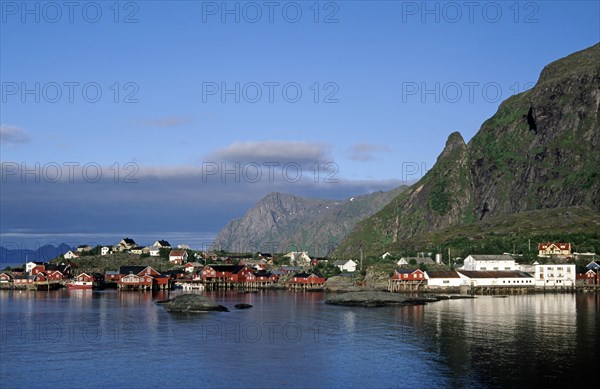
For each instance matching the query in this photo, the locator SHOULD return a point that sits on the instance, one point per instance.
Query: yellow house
(549, 248)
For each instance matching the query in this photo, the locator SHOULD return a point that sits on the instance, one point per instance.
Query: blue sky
(382, 85)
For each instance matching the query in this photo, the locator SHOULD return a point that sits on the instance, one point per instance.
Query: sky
(155, 117)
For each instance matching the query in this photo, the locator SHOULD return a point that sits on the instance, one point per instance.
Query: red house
(408, 275)
(141, 278)
(5, 278)
(54, 275)
(264, 276)
(406, 279)
(307, 279)
(228, 273)
(588, 278)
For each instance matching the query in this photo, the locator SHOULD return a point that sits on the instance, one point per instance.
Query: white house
(347, 265)
(104, 250)
(178, 256)
(125, 244)
(556, 275)
(497, 278)
(137, 250)
(443, 279)
(154, 251)
(299, 258)
(84, 248)
(31, 265)
(70, 255)
(190, 267)
(489, 262)
(385, 255)
(162, 243)
(417, 260)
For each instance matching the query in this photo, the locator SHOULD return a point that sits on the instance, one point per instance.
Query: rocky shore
(382, 299)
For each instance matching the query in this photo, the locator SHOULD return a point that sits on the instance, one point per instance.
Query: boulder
(242, 306)
(192, 303)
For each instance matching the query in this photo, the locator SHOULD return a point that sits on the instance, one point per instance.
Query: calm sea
(69, 339)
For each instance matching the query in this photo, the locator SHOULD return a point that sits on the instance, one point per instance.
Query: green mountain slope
(540, 151)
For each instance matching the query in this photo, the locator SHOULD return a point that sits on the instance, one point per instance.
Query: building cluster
(499, 271)
(225, 272)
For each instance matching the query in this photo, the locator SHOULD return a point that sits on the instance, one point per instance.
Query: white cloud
(303, 153)
(367, 151)
(12, 135)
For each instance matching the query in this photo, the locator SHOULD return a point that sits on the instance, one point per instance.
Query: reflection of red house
(307, 279)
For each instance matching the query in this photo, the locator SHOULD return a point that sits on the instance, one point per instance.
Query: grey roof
(426, 260)
(503, 257)
(495, 274)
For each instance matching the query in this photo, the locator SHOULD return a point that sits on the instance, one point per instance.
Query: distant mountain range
(281, 223)
(540, 151)
(16, 257)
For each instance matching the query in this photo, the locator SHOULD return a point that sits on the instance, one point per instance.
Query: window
(495, 268)
(446, 281)
(482, 268)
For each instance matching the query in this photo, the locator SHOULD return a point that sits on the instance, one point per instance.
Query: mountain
(13, 256)
(282, 222)
(538, 152)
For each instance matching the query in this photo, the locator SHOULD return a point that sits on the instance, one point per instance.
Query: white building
(347, 265)
(417, 260)
(489, 263)
(443, 279)
(496, 278)
(104, 250)
(70, 255)
(154, 251)
(178, 256)
(556, 275)
(299, 258)
(162, 243)
(31, 265)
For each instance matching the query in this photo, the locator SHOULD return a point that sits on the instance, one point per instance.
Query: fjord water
(122, 339)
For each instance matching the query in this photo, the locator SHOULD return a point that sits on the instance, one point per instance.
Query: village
(184, 268)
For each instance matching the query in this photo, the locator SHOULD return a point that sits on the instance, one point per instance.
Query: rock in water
(373, 299)
(192, 303)
(242, 306)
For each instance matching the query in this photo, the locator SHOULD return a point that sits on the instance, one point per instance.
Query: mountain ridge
(535, 152)
(282, 222)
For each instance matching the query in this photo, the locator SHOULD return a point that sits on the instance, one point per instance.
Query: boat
(80, 285)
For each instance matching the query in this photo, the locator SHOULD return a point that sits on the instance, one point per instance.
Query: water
(122, 339)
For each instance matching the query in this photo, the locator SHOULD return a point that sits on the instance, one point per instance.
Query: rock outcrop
(192, 303)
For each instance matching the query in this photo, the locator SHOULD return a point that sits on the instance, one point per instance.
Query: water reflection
(295, 339)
